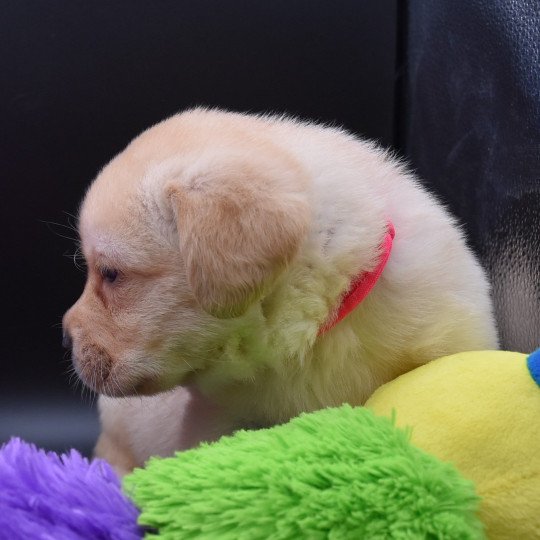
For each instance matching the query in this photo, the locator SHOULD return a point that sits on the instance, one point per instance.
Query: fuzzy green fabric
(337, 473)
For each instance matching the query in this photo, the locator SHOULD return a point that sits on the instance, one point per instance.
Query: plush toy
(44, 496)
(314, 477)
(337, 473)
(481, 412)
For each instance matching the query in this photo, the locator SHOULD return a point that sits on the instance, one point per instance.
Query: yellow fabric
(480, 411)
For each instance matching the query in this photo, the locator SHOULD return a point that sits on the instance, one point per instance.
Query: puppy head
(176, 246)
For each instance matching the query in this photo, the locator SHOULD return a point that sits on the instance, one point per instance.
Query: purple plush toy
(49, 497)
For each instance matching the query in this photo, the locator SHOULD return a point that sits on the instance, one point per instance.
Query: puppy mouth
(103, 381)
(97, 379)
(103, 375)
(98, 371)
(93, 365)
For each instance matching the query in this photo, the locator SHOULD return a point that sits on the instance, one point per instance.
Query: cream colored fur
(234, 237)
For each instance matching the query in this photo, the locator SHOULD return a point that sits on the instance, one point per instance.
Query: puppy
(225, 256)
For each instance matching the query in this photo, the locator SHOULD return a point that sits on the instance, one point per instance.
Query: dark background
(451, 86)
(80, 79)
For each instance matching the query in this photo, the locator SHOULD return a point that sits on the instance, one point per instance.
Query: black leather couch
(453, 86)
(469, 122)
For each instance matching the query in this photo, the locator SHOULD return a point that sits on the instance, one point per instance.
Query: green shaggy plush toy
(337, 473)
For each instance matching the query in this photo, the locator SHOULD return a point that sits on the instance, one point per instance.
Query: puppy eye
(109, 274)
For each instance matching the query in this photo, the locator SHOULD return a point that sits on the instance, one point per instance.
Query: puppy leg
(110, 448)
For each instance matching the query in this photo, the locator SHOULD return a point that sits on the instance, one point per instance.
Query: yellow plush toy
(480, 411)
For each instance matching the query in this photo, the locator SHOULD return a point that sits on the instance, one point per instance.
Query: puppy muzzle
(94, 366)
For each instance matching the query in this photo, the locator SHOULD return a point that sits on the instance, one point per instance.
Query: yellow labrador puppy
(243, 269)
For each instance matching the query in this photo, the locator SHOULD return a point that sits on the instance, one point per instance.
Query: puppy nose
(67, 342)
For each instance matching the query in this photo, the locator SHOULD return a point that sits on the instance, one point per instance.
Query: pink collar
(361, 285)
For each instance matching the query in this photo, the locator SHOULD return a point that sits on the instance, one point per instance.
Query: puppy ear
(239, 226)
